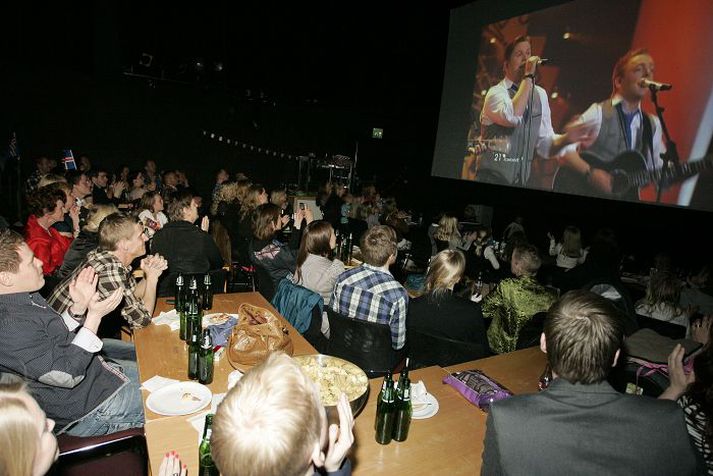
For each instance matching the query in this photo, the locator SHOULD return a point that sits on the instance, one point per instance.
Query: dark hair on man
(620, 65)
(10, 241)
(263, 221)
(114, 228)
(510, 47)
(44, 200)
(177, 203)
(583, 332)
(316, 240)
(98, 170)
(377, 244)
(73, 176)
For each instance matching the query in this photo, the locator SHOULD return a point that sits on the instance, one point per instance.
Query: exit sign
(377, 133)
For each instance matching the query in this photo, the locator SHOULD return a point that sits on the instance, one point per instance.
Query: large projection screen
(582, 41)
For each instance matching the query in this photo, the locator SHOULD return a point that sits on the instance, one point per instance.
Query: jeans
(123, 410)
(115, 349)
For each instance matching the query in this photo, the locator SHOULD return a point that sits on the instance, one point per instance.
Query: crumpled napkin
(169, 318)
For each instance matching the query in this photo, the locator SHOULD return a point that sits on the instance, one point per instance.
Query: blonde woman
(663, 294)
(441, 313)
(27, 445)
(569, 253)
(447, 235)
(87, 240)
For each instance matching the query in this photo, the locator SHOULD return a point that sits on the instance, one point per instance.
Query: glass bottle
(545, 378)
(193, 311)
(193, 351)
(207, 292)
(350, 248)
(385, 416)
(384, 384)
(181, 306)
(403, 408)
(205, 359)
(206, 466)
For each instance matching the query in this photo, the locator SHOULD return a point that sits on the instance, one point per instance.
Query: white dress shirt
(498, 109)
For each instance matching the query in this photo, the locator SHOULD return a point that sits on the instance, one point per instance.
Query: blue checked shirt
(373, 295)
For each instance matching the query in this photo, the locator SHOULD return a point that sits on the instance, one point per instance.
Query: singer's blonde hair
(620, 66)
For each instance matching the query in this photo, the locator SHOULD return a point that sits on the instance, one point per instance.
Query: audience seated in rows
(580, 424)
(369, 292)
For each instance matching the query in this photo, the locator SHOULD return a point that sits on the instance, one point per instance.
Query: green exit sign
(377, 133)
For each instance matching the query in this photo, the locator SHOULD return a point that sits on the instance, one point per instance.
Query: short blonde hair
(18, 431)
(444, 272)
(96, 214)
(269, 423)
(114, 228)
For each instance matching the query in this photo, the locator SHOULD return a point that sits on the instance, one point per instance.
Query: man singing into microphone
(514, 112)
(611, 127)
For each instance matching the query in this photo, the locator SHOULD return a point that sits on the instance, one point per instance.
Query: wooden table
(450, 442)
(159, 351)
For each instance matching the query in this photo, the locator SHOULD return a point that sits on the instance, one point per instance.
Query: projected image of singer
(621, 146)
(513, 112)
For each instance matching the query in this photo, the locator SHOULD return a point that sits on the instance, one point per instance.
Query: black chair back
(668, 329)
(365, 344)
(632, 375)
(530, 333)
(116, 454)
(265, 284)
(427, 349)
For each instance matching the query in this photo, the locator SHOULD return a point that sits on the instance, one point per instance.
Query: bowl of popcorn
(333, 376)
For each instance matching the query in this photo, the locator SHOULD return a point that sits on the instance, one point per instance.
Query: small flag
(68, 160)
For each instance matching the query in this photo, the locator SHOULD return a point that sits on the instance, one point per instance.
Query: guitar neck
(671, 174)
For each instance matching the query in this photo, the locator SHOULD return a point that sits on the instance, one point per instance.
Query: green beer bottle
(402, 407)
(387, 379)
(205, 359)
(193, 311)
(193, 350)
(206, 466)
(181, 305)
(385, 416)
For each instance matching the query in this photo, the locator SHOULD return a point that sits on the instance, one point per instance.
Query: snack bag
(477, 388)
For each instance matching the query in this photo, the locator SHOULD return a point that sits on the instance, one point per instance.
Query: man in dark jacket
(58, 357)
(580, 424)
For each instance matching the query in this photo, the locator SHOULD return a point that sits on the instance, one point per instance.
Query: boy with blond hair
(273, 424)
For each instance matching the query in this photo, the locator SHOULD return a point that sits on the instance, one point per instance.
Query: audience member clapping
(273, 424)
(46, 207)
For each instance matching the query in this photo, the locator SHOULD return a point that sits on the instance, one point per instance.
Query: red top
(48, 245)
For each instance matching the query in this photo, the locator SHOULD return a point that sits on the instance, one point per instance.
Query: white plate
(169, 399)
(206, 318)
(428, 410)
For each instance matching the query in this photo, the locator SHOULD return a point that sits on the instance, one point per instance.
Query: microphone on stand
(654, 86)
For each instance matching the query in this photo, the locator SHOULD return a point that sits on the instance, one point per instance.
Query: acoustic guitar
(629, 175)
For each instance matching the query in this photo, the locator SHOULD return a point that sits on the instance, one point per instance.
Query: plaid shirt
(372, 294)
(112, 275)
